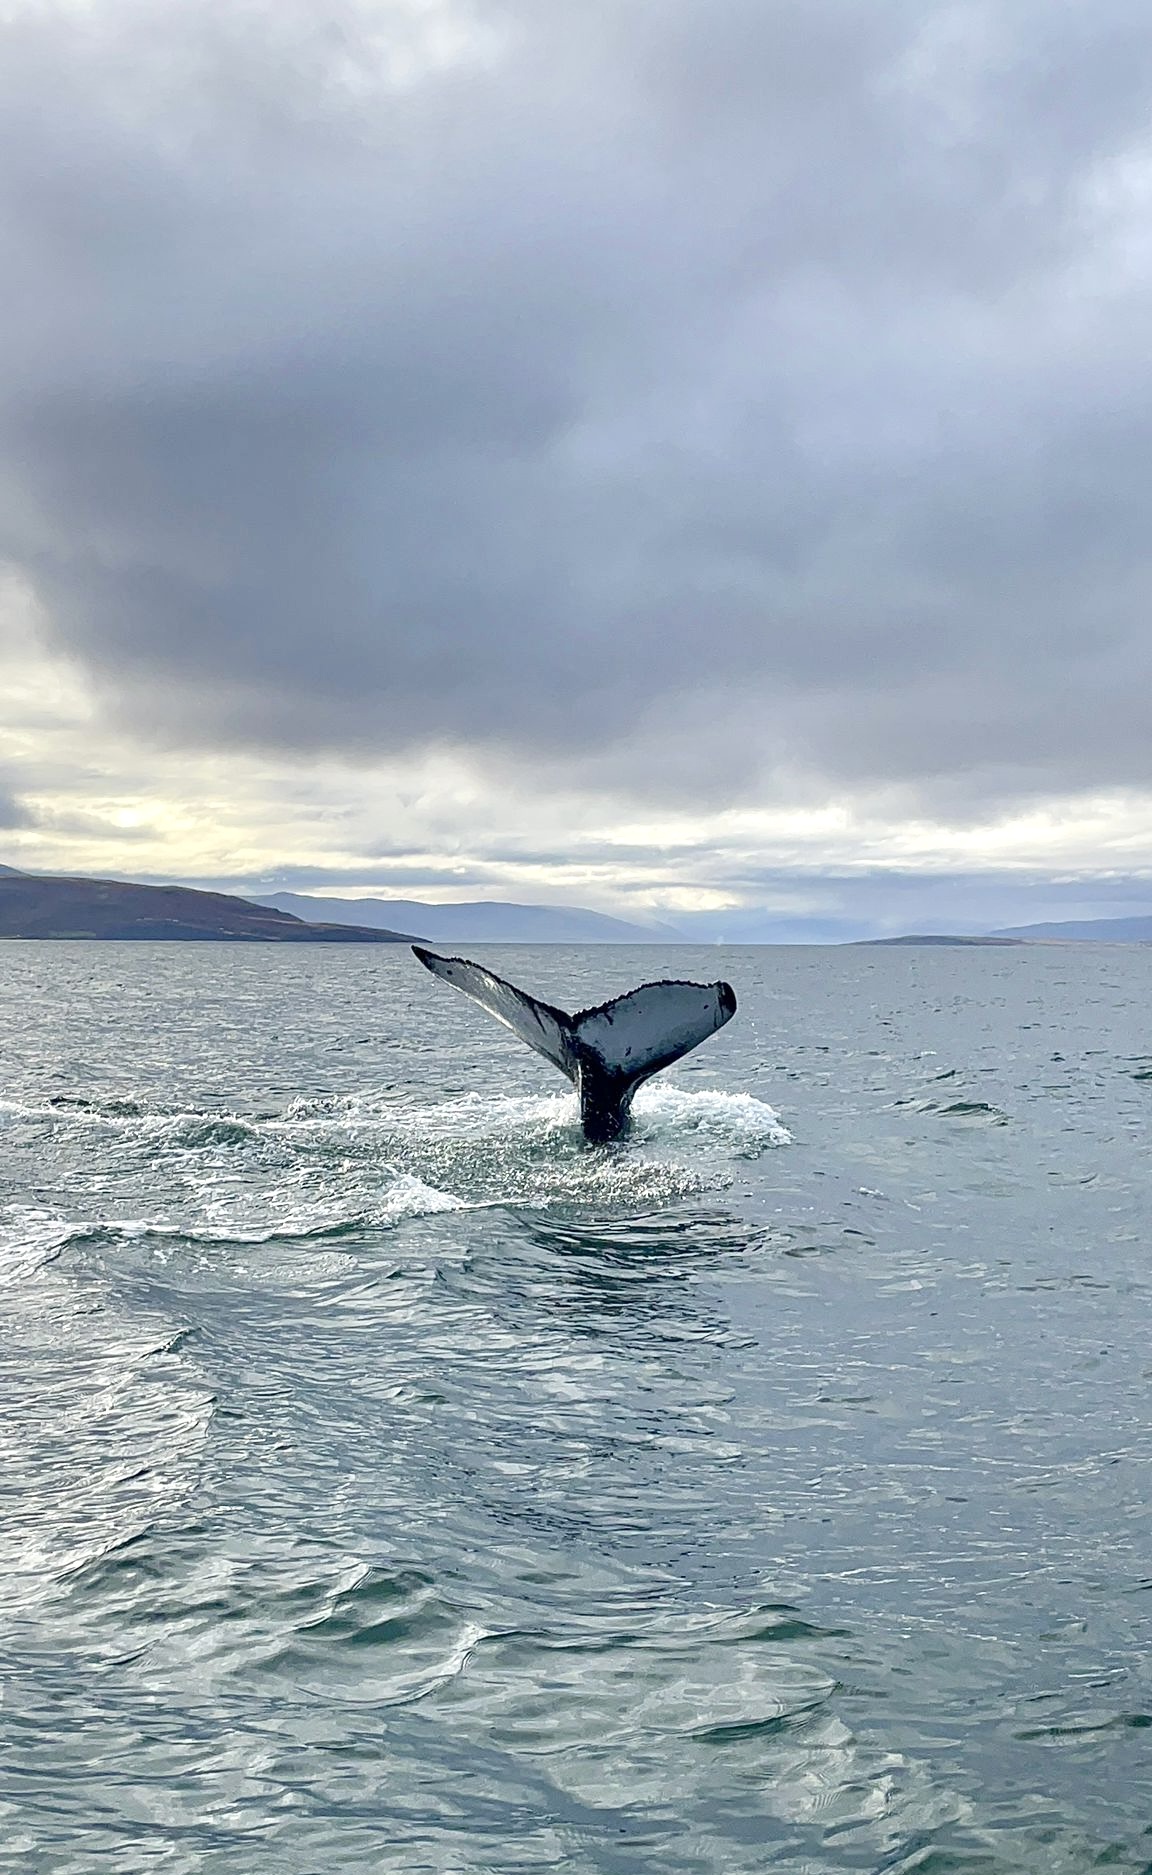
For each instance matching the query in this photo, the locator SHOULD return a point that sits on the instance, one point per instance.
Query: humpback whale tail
(608, 1051)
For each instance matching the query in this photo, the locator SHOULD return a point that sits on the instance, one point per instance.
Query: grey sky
(704, 403)
(12, 812)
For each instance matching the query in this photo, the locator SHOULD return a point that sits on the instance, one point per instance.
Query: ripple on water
(30, 1236)
(106, 1427)
(645, 1712)
(649, 1718)
(185, 1609)
(975, 1112)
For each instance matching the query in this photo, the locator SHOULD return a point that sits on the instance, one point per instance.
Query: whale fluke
(606, 1052)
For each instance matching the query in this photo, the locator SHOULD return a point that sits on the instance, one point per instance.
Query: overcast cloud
(12, 812)
(698, 395)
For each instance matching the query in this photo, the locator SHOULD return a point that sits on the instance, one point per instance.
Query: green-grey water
(392, 1483)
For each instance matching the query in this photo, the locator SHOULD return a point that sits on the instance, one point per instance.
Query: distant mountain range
(1073, 930)
(33, 905)
(1090, 930)
(38, 905)
(483, 922)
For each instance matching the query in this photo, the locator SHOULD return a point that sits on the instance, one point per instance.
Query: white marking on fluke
(608, 1051)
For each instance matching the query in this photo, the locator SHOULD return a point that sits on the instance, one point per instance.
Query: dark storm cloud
(777, 372)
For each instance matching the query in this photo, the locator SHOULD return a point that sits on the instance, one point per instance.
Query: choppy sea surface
(390, 1482)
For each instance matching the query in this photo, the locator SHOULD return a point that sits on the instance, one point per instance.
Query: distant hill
(936, 938)
(10, 872)
(483, 922)
(39, 906)
(1089, 930)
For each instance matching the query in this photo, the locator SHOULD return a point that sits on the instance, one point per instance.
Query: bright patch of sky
(97, 801)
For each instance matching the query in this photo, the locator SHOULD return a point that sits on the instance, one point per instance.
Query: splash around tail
(606, 1052)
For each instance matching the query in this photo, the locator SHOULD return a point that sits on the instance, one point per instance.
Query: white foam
(411, 1197)
(529, 1150)
(335, 1165)
(477, 1117)
(247, 1218)
(739, 1120)
(660, 1107)
(661, 1110)
(29, 1238)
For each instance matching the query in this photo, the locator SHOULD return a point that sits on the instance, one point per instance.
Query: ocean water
(392, 1483)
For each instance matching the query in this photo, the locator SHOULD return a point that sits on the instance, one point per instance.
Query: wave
(30, 1237)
